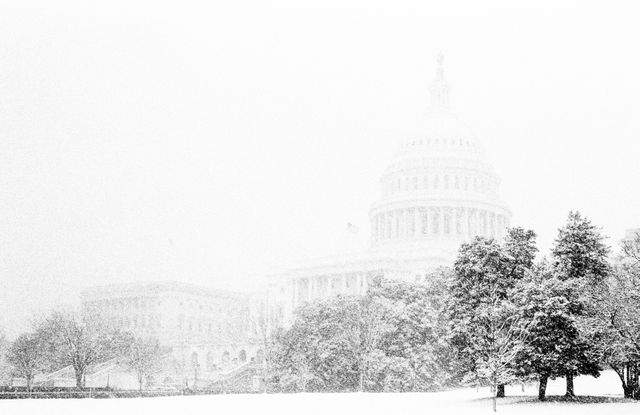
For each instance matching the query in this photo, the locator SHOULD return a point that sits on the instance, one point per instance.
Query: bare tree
(372, 326)
(5, 367)
(78, 340)
(620, 317)
(25, 354)
(144, 357)
(265, 330)
(500, 334)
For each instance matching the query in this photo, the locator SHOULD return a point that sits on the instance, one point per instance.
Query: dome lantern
(439, 88)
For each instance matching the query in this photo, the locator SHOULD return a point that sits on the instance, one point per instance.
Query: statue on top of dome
(439, 88)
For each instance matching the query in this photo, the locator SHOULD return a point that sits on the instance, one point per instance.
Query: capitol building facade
(438, 191)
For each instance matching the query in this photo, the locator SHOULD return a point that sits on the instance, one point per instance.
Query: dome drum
(439, 190)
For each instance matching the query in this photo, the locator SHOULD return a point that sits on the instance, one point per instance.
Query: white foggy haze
(215, 143)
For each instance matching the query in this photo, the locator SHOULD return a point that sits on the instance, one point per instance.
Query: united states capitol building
(437, 191)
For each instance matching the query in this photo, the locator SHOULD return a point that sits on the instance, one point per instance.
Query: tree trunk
(28, 379)
(494, 388)
(542, 388)
(622, 373)
(633, 384)
(79, 377)
(500, 393)
(570, 392)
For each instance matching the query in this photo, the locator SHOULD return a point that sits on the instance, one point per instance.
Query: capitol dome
(438, 191)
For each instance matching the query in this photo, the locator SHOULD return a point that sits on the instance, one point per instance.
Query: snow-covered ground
(463, 401)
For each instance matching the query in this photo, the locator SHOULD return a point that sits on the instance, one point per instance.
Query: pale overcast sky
(214, 144)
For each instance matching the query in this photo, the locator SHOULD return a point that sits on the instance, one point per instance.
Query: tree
(499, 332)
(267, 331)
(620, 318)
(411, 354)
(372, 325)
(484, 332)
(26, 356)
(546, 303)
(320, 351)
(5, 366)
(580, 256)
(579, 252)
(390, 339)
(144, 357)
(78, 340)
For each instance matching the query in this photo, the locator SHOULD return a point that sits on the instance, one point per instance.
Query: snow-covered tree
(78, 340)
(579, 257)
(143, 356)
(547, 303)
(619, 318)
(5, 367)
(413, 354)
(25, 354)
(486, 331)
(319, 352)
(391, 339)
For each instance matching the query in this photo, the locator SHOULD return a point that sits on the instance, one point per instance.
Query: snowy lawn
(604, 396)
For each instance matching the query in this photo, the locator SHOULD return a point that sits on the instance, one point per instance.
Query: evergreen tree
(580, 258)
(547, 303)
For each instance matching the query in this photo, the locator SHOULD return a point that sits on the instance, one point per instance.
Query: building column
(484, 223)
(394, 225)
(294, 293)
(476, 223)
(375, 229)
(433, 212)
(448, 221)
(465, 223)
(493, 226)
(425, 229)
(387, 221)
(407, 223)
(472, 223)
(417, 222)
(441, 218)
